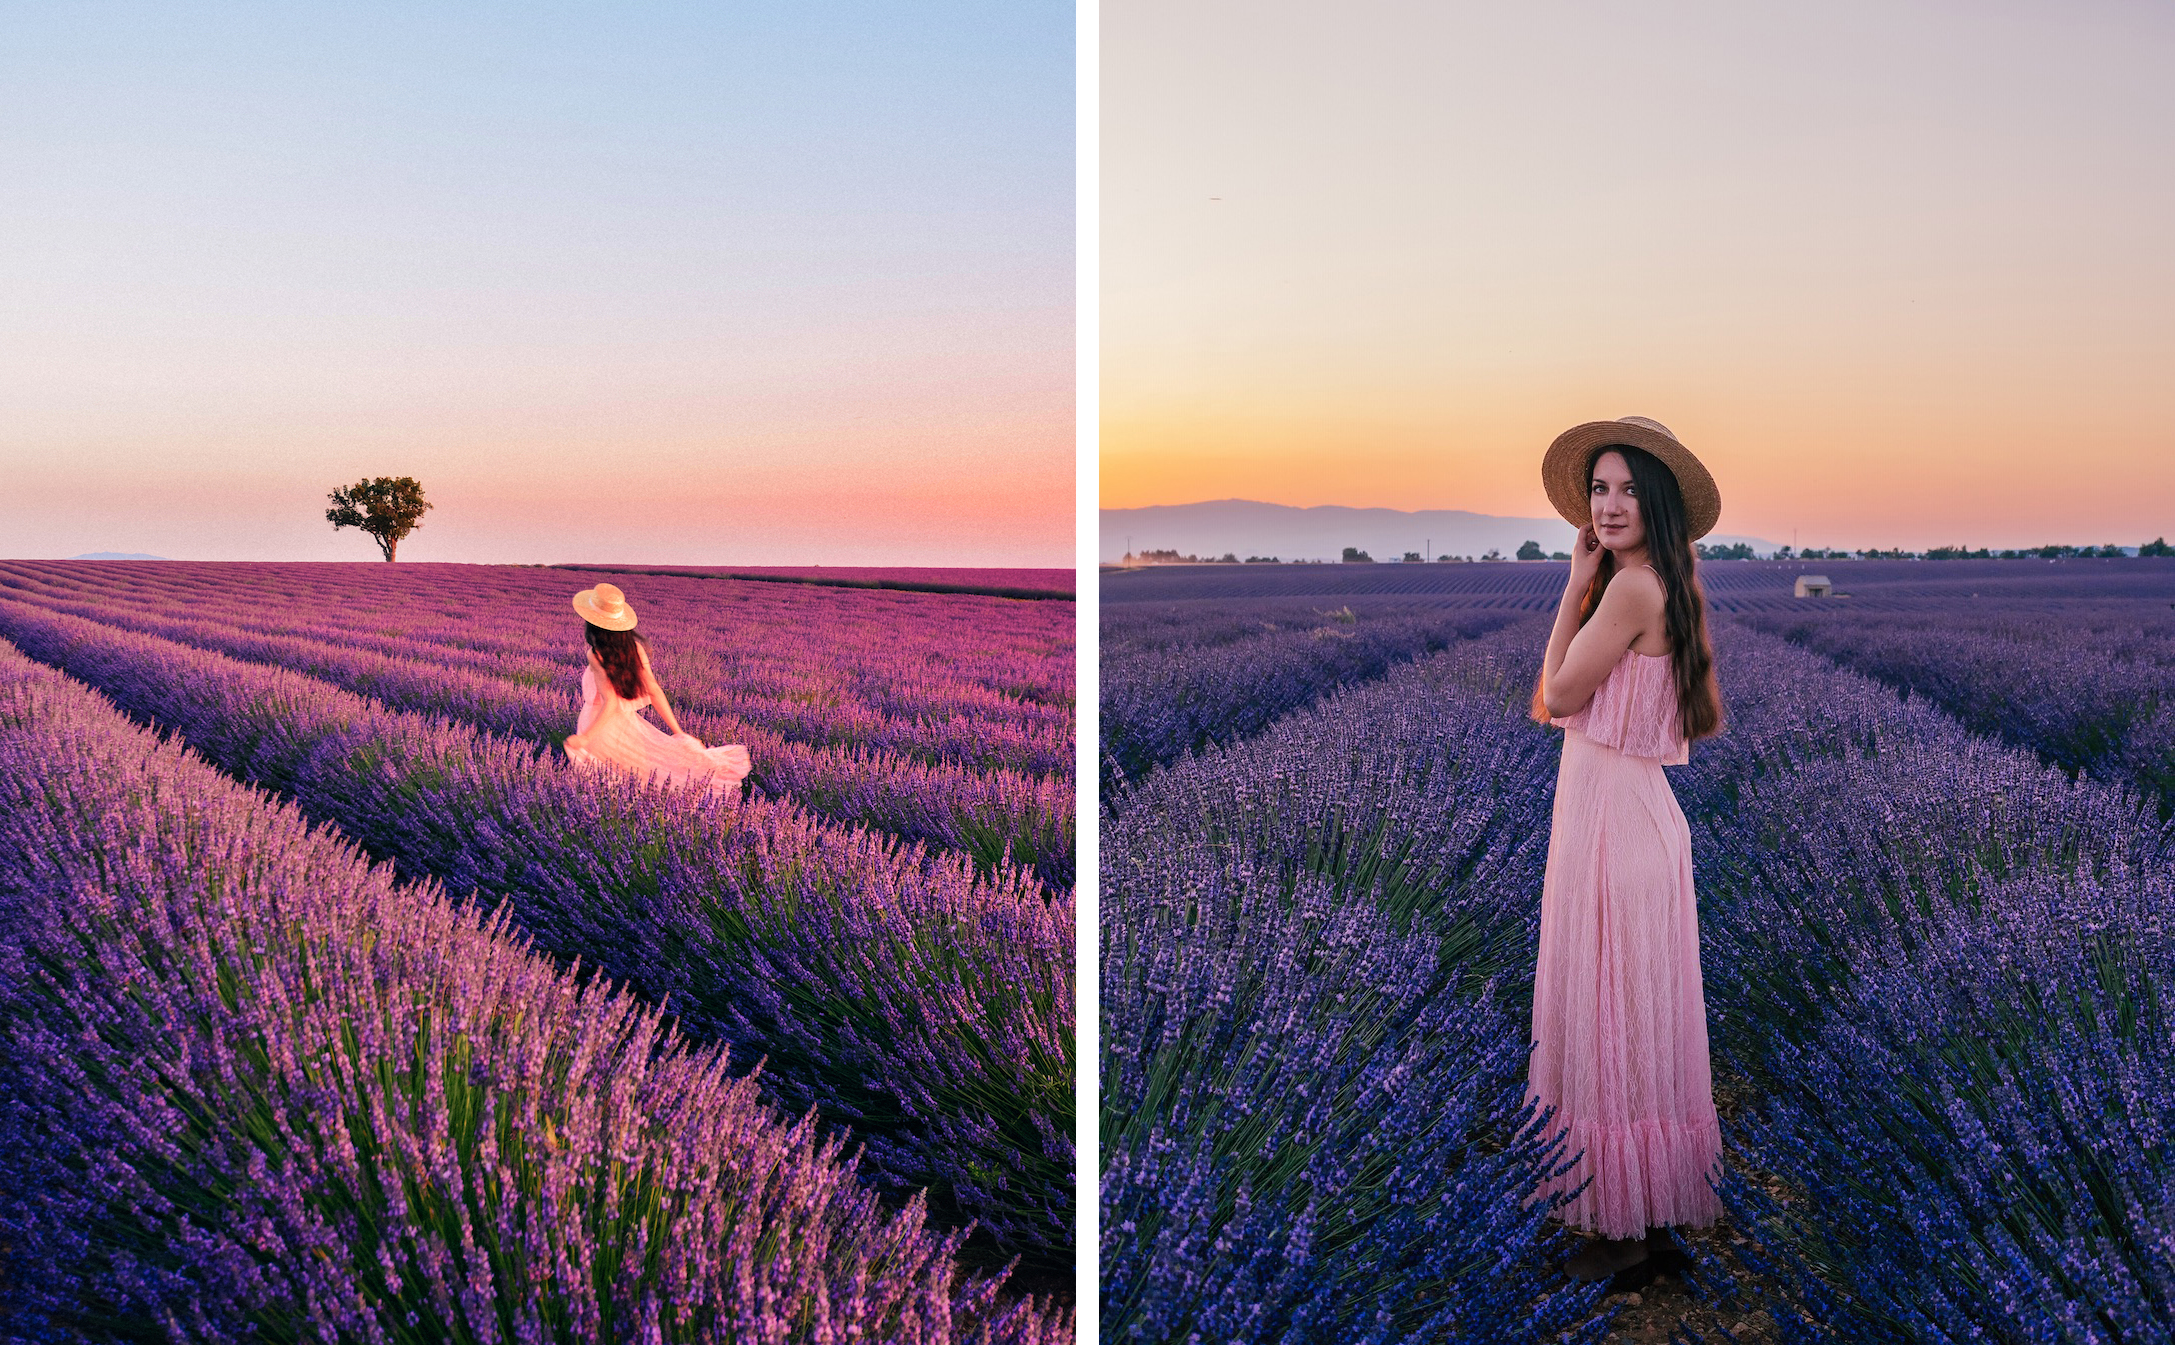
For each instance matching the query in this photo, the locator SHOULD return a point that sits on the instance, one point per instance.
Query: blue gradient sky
(759, 283)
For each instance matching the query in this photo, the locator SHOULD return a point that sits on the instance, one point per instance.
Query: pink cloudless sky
(666, 283)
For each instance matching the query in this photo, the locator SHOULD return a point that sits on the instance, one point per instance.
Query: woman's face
(1615, 507)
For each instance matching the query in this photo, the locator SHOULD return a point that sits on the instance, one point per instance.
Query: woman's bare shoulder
(1638, 589)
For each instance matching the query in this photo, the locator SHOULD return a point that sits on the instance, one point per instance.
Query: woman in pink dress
(1619, 1020)
(616, 686)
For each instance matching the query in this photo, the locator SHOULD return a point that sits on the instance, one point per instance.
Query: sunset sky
(690, 283)
(1900, 273)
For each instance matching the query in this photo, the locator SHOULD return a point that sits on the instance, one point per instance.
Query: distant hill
(117, 555)
(1249, 528)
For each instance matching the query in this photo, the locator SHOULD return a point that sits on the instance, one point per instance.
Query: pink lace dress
(618, 736)
(1619, 1018)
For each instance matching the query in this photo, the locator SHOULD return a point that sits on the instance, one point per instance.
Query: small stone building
(1814, 586)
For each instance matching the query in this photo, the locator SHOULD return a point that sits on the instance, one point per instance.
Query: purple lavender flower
(924, 1004)
(945, 720)
(1941, 968)
(251, 1084)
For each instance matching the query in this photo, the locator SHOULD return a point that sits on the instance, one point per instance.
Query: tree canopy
(386, 507)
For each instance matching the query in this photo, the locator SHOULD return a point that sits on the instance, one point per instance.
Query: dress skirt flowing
(1619, 1016)
(619, 737)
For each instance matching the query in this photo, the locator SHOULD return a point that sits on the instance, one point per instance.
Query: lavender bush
(1934, 957)
(991, 692)
(991, 813)
(1937, 970)
(930, 1010)
(904, 654)
(1314, 1034)
(1162, 698)
(2089, 685)
(250, 1085)
(1976, 1136)
(1529, 586)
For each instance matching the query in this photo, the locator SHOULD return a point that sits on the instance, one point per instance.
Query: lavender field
(1934, 867)
(337, 1004)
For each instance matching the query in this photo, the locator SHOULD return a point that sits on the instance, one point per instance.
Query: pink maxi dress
(619, 736)
(1619, 1018)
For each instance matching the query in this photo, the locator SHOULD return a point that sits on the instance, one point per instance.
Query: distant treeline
(2158, 546)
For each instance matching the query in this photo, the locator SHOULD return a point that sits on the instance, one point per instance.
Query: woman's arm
(1579, 657)
(656, 695)
(593, 684)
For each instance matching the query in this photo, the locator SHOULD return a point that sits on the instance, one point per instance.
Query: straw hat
(1563, 471)
(605, 606)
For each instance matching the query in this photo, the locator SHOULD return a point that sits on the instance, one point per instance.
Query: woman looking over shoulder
(1619, 1015)
(616, 686)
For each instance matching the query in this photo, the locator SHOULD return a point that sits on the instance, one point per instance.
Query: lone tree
(386, 507)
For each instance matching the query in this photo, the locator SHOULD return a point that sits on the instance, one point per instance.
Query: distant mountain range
(1250, 528)
(117, 555)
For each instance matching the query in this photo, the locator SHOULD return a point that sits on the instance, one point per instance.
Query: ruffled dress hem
(1647, 1173)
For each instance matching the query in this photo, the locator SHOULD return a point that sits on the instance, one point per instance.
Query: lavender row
(815, 675)
(2089, 686)
(1518, 583)
(255, 1087)
(1879, 584)
(995, 581)
(1944, 969)
(928, 1009)
(1848, 843)
(1198, 622)
(1975, 1143)
(931, 652)
(1159, 704)
(1731, 585)
(1314, 1027)
(996, 817)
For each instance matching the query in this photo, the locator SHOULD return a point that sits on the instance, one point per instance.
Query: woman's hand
(1585, 559)
(575, 743)
(1579, 657)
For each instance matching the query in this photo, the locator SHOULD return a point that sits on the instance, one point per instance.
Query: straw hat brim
(1563, 471)
(585, 602)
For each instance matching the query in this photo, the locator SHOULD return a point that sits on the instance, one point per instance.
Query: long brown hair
(620, 651)
(1684, 603)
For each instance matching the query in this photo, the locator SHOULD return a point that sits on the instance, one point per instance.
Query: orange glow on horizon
(1900, 278)
(1835, 478)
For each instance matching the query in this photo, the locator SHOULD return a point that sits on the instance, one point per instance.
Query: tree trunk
(388, 545)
